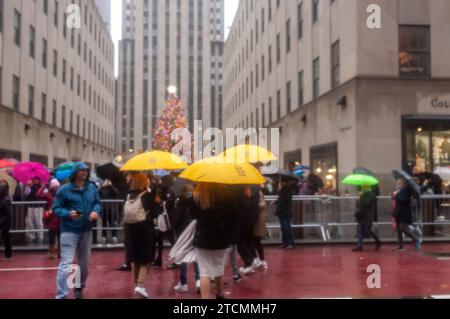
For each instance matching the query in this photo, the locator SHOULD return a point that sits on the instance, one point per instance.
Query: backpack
(134, 211)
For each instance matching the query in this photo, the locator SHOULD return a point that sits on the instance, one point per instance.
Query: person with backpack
(141, 208)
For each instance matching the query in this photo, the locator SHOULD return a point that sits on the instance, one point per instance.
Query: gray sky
(230, 11)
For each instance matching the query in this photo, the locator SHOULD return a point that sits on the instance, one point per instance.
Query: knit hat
(54, 183)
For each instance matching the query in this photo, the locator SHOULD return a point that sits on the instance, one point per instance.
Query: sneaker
(78, 292)
(247, 270)
(399, 249)
(358, 248)
(115, 241)
(378, 246)
(142, 292)
(173, 266)
(418, 244)
(103, 241)
(256, 263)
(289, 247)
(124, 268)
(237, 278)
(8, 258)
(157, 263)
(197, 286)
(264, 264)
(181, 288)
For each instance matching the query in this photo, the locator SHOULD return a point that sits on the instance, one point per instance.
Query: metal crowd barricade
(315, 219)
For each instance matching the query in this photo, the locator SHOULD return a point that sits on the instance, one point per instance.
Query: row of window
(94, 64)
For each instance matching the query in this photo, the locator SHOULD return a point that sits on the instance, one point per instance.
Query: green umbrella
(359, 180)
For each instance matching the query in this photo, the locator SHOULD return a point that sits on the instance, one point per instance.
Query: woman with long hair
(214, 210)
(140, 209)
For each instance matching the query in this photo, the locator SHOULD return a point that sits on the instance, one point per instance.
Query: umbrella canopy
(285, 174)
(411, 183)
(11, 182)
(25, 172)
(363, 171)
(7, 163)
(217, 170)
(154, 160)
(360, 180)
(112, 172)
(248, 153)
(62, 175)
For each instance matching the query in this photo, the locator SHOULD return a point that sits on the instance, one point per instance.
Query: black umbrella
(112, 172)
(409, 180)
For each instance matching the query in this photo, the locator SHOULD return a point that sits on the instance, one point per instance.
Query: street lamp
(172, 89)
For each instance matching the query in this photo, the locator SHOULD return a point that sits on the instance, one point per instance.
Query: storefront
(426, 145)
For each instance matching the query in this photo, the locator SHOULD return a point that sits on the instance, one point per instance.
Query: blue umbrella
(161, 173)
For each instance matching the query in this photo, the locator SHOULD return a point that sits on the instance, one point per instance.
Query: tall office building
(343, 92)
(57, 84)
(104, 8)
(168, 42)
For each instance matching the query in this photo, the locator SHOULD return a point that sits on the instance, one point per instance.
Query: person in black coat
(284, 213)
(5, 218)
(248, 218)
(215, 211)
(365, 216)
(403, 215)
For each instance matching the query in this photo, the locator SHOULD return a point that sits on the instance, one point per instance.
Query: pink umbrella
(7, 163)
(25, 172)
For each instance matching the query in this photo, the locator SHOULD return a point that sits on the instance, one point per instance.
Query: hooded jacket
(72, 198)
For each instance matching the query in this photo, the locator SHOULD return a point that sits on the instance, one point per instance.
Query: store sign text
(438, 104)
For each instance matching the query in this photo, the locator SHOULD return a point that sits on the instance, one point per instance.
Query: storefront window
(324, 165)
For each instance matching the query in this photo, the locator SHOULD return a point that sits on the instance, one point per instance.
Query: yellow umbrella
(217, 170)
(11, 182)
(248, 153)
(153, 161)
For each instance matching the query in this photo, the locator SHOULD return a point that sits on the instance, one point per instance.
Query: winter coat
(366, 208)
(261, 228)
(82, 200)
(214, 226)
(284, 202)
(182, 215)
(140, 238)
(5, 210)
(403, 211)
(108, 192)
(249, 208)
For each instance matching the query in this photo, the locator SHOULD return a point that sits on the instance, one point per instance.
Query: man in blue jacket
(77, 204)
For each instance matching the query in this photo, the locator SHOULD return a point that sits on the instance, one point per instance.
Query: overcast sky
(230, 11)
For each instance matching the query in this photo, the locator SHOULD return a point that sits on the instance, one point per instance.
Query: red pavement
(306, 272)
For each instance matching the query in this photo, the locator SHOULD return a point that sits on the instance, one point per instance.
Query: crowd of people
(226, 221)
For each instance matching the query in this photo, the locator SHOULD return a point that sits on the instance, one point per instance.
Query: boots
(51, 252)
(58, 251)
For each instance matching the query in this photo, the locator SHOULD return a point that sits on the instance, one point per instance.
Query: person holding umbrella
(77, 205)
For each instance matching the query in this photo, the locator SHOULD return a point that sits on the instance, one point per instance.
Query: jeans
(406, 229)
(259, 248)
(72, 245)
(183, 273)
(362, 230)
(54, 235)
(233, 260)
(286, 231)
(33, 221)
(6, 237)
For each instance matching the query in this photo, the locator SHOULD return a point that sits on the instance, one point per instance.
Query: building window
(44, 107)
(54, 113)
(323, 160)
(32, 41)
(278, 104)
(64, 65)
(45, 6)
(270, 59)
(335, 64)
(288, 36)
(270, 110)
(278, 48)
(31, 100)
(315, 10)
(63, 117)
(414, 51)
(300, 21)
(55, 14)
(288, 97)
(55, 63)
(17, 27)
(44, 53)
(16, 93)
(316, 77)
(301, 88)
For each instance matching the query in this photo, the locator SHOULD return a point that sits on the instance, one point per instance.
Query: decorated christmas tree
(171, 119)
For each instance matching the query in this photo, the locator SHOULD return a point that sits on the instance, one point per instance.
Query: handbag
(163, 222)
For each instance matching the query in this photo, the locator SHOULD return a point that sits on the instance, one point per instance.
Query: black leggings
(259, 248)
(6, 237)
(160, 242)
